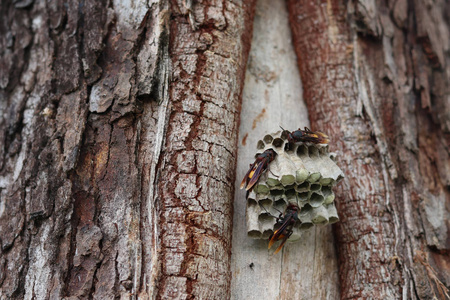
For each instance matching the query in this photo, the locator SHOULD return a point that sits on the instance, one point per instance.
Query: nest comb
(304, 175)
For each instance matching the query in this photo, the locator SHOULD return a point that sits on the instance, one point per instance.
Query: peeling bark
(91, 138)
(372, 77)
(118, 150)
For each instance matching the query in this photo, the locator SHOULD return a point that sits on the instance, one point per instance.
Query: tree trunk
(195, 190)
(376, 78)
(118, 147)
(118, 130)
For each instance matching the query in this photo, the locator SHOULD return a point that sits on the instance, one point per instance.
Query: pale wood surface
(273, 97)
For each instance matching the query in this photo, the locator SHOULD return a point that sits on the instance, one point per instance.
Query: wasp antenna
(282, 128)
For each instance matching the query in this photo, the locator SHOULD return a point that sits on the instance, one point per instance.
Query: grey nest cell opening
(304, 175)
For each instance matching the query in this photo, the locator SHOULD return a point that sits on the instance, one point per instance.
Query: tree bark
(209, 52)
(118, 147)
(373, 77)
(118, 130)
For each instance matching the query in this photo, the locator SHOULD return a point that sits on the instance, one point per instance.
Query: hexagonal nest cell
(303, 175)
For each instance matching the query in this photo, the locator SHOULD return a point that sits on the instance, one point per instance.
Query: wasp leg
(262, 206)
(265, 209)
(281, 213)
(273, 173)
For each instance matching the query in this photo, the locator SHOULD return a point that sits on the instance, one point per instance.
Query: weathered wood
(368, 83)
(88, 158)
(272, 98)
(209, 53)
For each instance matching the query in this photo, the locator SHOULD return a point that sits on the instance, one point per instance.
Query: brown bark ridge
(376, 78)
(209, 52)
(110, 186)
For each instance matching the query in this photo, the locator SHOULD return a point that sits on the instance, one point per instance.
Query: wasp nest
(303, 175)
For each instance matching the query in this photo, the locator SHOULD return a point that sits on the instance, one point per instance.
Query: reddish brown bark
(84, 108)
(209, 52)
(117, 182)
(368, 83)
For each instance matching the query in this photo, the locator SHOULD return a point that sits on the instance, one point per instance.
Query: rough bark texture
(118, 137)
(110, 186)
(376, 78)
(209, 53)
(72, 194)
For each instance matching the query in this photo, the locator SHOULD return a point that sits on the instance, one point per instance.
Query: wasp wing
(261, 167)
(282, 243)
(317, 138)
(244, 181)
(279, 233)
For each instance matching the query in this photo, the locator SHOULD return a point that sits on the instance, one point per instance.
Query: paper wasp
(286, 223)
(305, 136)
(258, 168)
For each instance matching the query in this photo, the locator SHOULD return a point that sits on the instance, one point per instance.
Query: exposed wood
(272, 98)
(368, 83)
